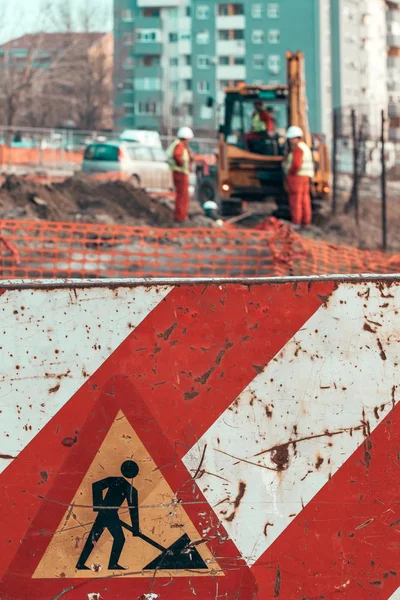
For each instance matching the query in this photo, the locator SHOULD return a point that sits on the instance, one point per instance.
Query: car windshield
(159, 154)
(104, 152)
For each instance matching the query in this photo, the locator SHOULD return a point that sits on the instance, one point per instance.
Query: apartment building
(393, 67)
(172, 55)
(359, 63)
(152, 70)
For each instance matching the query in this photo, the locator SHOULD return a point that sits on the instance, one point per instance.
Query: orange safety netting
(37, 156)
(40, 249)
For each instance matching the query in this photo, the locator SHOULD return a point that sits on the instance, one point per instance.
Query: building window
(148, 35)
(223, 84)
(257, 36)
(188, 60)
(203, 62)
(150, 61)
(188, 85)
(128, 63)
(238, 60)
(203, 87)
(173, 37)
(128, 85)
(128, 38)
(174, 62)
(229, 10)
(257, 11)
(258, 61)
(127, 16)
(151, 84)
(185, 36)
(188, 11)
(273, 10)
(238, 34)
(128, 109)
(274, 36)
(274, 63)
(147, 108)
(202, 12)
(203, 37)
(151, 12)
(230, 34)
(224, 60)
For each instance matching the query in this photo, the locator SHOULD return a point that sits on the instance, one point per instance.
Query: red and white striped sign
(265, 414)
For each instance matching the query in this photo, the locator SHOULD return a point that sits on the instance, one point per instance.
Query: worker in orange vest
(299, 169)
(179, 159)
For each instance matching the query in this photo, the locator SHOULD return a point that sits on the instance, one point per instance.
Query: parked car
(144, 166)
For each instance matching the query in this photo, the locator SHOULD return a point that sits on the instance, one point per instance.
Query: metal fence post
(383, 183)
(354, 193)
(334, 162)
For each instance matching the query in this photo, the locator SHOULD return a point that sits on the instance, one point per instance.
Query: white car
(145, 167)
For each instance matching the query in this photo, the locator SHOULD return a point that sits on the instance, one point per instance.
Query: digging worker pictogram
(118, 490)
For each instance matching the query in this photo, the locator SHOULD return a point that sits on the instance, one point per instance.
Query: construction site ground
(80, 227)
(80, 199)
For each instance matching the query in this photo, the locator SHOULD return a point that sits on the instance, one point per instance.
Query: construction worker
(299, 168)
(262, 126)
(179, 159)
(262, 120)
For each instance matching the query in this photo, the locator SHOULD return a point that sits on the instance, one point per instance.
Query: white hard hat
(294, 132)
(185, 133)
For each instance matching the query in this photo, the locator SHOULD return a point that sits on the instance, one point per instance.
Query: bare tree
(17, 71)
(62, 77)
(81, 75)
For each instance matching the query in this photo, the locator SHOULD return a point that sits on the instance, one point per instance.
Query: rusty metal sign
(200, 439)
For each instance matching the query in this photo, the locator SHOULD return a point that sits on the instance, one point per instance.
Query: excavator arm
(298, 105)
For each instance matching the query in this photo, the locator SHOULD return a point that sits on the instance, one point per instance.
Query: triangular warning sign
(162, 520)
(125, 515)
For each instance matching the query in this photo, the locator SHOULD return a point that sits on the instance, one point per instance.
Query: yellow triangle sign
(124, 520)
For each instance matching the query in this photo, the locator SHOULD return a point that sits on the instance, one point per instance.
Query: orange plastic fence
(49, 250)
(37, 156)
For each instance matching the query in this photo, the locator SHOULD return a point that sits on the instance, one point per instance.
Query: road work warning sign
(124, 517)
(200, 440)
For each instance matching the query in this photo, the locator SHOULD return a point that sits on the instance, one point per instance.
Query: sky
(25, 16)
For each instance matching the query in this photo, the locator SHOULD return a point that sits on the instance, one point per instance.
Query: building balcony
(148, 22)
(231, 22)
(231, 48)
(394, 111)
(143, 48)
(393, 86)
(393, 16)
(393, 41)
(393, 64)
(231, 72)
(158, 3)
(394, 134)
(184, 47)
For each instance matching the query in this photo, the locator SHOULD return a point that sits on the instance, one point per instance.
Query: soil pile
(81, 199)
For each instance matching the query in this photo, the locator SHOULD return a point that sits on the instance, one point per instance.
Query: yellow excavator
(254, 171)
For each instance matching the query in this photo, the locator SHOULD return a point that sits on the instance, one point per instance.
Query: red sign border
(118, 394)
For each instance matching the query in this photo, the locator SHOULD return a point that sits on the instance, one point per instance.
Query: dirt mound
(81, 199)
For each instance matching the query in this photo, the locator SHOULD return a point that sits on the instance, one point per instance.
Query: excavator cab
(240, 106)
(250, 167)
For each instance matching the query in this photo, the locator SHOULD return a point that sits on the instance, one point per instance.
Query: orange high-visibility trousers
(299, 199)
(182, 197)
